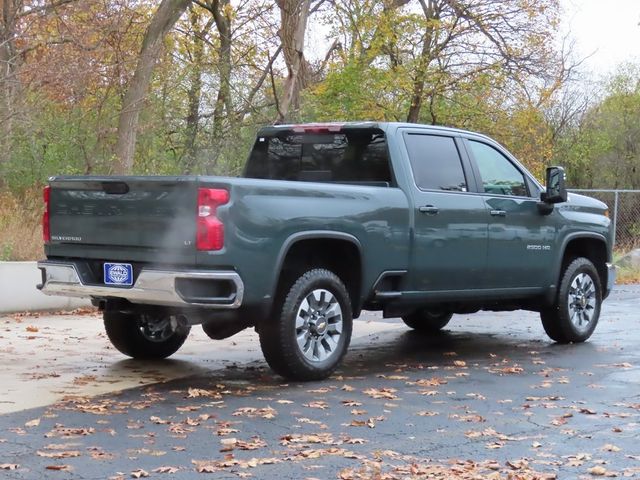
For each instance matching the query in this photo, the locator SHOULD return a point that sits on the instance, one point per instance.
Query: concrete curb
(18, 291)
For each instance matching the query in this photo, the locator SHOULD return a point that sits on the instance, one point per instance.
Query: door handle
(429, 210)
(498, 213)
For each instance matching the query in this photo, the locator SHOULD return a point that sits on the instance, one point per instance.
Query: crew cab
(328, 220)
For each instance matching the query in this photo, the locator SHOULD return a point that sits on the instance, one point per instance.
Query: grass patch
(626, 276)
(20, 226)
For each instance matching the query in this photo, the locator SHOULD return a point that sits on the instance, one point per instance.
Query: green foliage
(602, 150)
(356, 92)
(6, 252)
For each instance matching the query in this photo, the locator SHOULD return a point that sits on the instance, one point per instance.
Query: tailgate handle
(115, 188)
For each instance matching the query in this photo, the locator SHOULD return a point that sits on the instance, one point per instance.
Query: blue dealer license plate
(118, 274)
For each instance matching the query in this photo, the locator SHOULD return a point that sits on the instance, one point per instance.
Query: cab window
(499, 175)
(435, 162)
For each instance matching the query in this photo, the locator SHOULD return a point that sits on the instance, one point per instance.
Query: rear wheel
(145, 336)
(429, 321)
(575, 315)
(310, 329)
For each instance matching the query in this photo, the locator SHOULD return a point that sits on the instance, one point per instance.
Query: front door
(521, 239)
(450, 225)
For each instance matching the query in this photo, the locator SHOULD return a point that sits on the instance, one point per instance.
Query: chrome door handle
(429, 210)
(498, 213)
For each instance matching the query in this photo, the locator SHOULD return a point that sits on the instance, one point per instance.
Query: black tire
(279, 335)
(560, 320)
(427, 321)
(126, 333)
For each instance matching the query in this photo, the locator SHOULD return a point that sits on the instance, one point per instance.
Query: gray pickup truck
(419, 222)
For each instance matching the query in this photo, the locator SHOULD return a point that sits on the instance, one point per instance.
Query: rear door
(127, 218)
(450, 224)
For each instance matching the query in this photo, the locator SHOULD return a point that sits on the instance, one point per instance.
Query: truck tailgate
(141, 213)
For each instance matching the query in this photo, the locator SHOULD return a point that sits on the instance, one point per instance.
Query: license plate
(118, 274)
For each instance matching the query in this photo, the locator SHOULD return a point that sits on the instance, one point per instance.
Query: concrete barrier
(18, 291)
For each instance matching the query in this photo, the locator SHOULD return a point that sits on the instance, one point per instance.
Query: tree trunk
(426, 55)
(8, 79)
(293, 15)
(194, 93)
(162, 22)
(222, 16)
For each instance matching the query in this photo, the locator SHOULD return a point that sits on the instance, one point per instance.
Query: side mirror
(556, 189)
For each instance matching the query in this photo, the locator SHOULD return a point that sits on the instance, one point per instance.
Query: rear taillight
(46, 227)
(210, 230)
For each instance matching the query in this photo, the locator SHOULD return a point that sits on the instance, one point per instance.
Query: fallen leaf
(252, 412)
(317, 404)
(199, 392)
(139, 473)
(355, 441)
(587, 411)
(165, 470)
(324, 438)
(62, 454)
(33, 423)
(598, 471)
(386, 393)
(610, 448)
(429, 382)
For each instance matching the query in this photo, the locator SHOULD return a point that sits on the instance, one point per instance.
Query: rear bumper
(208, 289)
(611, 279)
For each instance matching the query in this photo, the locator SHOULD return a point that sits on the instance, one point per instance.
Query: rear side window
(355, 156)
(435, 162)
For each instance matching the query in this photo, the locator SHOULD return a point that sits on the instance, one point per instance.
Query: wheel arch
(305, 250)
(592, 246)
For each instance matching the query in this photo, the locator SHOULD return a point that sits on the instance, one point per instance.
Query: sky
(606, 30)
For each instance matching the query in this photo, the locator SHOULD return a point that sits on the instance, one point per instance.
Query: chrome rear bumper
(152, 287)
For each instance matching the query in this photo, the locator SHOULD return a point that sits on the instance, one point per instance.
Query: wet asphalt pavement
(490, 397)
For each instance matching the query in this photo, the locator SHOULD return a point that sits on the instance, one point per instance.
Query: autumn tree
(165, 17)
(15, 17)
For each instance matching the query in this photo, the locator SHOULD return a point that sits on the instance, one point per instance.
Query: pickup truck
(328, 220)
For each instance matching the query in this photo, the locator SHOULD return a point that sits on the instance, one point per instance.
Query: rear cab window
(435, 162)
(353, 155)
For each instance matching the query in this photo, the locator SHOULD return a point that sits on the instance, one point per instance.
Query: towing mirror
(556, 189)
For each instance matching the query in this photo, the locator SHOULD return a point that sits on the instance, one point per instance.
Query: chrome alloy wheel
(319, 325)
(582, 301)
(157, 329)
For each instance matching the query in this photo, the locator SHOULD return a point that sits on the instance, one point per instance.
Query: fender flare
(563, 249)
(310, 235)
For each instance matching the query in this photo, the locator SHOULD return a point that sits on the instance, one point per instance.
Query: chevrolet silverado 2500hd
(328, 220)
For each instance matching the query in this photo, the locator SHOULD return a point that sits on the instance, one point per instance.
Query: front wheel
(427, 320)
(310, 329)
(145, 336)
(575, 315)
